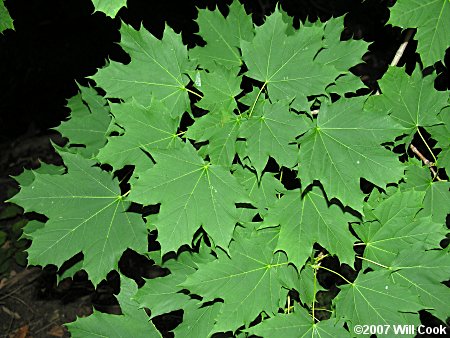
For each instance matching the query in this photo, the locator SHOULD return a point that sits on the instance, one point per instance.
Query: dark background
(57, 43)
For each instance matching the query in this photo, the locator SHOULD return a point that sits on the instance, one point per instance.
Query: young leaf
(86, 213)
(431, 18)
(343, 146)
(222, 36)
(305, 219)
(133, 322)
(192, 193)
(157, 68)
(247, 281)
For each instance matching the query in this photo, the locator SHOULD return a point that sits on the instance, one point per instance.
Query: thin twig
(401, 49)
(424, 160)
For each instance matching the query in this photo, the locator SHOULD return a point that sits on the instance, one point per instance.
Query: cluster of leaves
(260, 101)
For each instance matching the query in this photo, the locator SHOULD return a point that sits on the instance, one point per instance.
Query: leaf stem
(256, 100)
(195, 93)
(332, 271)
(373, 262)
(426, 144)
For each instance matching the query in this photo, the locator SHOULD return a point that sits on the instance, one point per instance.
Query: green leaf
(272, 132)
(398, 228)
(221, 146)
(162, 295)
(219, 88)
(436, 202)
(263, 192)
(298, 324)
(247, 281)
(198, 321)
(109, 7)
(192, 193)
(133, 322)
(431, 19)
(340, 54)
(375, 299)
(86, 213)
(422, 273)
(157, 68)
(285, 64)
(410, 100)
(222, 36)
(305, 219)
(5, 19)
(88, 124)
(144, 129)
(343, 146)
(441, 133)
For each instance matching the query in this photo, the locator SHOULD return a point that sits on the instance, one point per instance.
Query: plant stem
(332, 271)
(426, 144)
(401, 49)
(256, 100)
(195, 93)
(373, 262)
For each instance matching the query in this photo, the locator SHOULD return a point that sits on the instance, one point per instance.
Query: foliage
(260, 187)
(5, 19)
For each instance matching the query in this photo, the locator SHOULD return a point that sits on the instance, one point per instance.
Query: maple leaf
(370, 299)
(398, 228)
(144, 129)
(247, 281)
(410, 100)
(88, 124)
(133, 322)
(441, 133)
(162, 295)
(297, 324)
(306, 218)
(198, 320)
(5, 19)
(219, 88)
(221, 146)
(263, 192)
(222, 36)
(423, 273)
(272, 132)
(192, 193)
(343, 146)
(436, 202)
(431, 19)
(89, 217)
(109, 7)
(157, 67)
